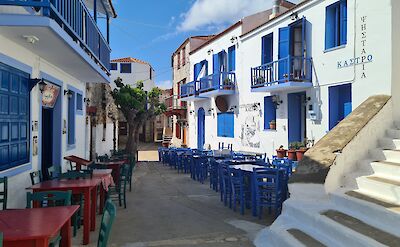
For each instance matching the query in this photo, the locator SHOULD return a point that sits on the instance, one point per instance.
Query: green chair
(106, 223)
(118, 192)
(36, 177)
(51, 199)
(3, 192)
(76, 174)
(54, 171)
(1, 239)
(132, 164)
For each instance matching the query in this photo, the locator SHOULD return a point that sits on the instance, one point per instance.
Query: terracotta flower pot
(300, 154)
(292, 155)
(281, 153)
(272, 126)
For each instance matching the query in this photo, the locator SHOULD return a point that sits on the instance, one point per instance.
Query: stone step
(361, 227)
(392, 155)
(387, 169)
(304, 238)
(374, 211)
(335, 234)
(393, 133)
(389, 143)
(380, 187)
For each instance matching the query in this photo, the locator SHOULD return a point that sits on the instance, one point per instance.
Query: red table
(36, 226)
(87, 187)
(115, 166)
(78, 161)
(105, 180)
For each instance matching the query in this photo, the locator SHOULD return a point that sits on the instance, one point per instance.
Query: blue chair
(201, 168)
(225, 184)
(240, 192)
(214, 175)
(268, 190)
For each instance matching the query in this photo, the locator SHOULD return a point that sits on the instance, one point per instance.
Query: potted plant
(260, 80)
(292, 151)
(300, 151)
(281, 152)
(272, 125)
(227, 83)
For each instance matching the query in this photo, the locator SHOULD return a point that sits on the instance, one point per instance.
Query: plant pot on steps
(281, 153)
(292, 155)
(300, 154)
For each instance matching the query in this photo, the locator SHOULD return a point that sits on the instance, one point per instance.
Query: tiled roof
(128, 60)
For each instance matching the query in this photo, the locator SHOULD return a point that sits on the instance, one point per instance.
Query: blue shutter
(220, 124)
(267, 49)
(269, 111)
(284, 51)
(229, 124)
(71, 120)
(232, 58)
(343, 22)
(330, 27)
(215, 64)
(197, 68)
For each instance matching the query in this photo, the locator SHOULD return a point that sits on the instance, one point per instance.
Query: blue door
(284, 52)
(340, 104)
(201, 118)
(267, 49)
(296, 117)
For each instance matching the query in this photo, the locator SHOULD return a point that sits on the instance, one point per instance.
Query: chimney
(275, 8)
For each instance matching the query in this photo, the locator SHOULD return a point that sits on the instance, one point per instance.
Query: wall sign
(49, 96)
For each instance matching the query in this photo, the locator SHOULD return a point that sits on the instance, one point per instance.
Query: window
(232, 58)
(179, 60)
(71, 119)
(225, 122)
(79, 102)
(269, 113)
(126, 68)
(114, 66)
(14, 117)
(183, 56)
(336, 24)
(267, 49)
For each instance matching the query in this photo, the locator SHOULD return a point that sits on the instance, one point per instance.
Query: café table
(78, 161)
(105, 181)
(36, 226)
(85, 187)
(115, 166)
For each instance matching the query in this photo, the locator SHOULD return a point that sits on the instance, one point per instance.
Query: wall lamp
(210, 110)
(191, 112)
(86, 100)
(232, 108)
(276, 100)
(210, 51)
(234, 39)
(294, 16)
(37, 81)
(68, 93)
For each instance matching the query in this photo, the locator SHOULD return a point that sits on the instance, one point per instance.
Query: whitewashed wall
(378, 78)
(140, 72)
(20, 181)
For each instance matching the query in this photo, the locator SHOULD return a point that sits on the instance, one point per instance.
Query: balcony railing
(223, 80)
(76, 20)
(188, 89)
(174, 103)
(289, 69)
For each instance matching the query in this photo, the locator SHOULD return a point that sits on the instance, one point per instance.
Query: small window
(114, 66)
(225, 122)
(269, 114)
(183, 56)
(71, 119)
(126, 68)
(336, 25)
(79, 102)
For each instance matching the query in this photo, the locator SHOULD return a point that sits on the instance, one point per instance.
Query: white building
(287, 71)
(46, 59)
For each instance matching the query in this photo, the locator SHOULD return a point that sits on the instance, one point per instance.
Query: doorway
(340, 104)
(47, 141)
(297, 117)
(201, 118)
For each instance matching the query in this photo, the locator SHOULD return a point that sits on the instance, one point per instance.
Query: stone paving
(169, 209)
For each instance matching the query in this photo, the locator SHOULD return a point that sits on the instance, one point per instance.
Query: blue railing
(289, 69)
(76, 20)
(188, 89)
(223, 80)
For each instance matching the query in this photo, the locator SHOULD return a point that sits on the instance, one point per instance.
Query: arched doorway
(201, 117)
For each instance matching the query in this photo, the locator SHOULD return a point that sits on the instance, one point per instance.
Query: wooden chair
(106, 223)
(118, 192)
(132, 164)
(36, 177)
(77, 174)
(3, 192)
(54, 171)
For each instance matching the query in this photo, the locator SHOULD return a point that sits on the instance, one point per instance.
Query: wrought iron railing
(173, 103)
(291, 68)
(74, 17)
(223, 80)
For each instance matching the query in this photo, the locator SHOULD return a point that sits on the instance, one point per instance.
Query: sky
(151, 30)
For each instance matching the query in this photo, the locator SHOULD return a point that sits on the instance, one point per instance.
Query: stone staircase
(364, 212)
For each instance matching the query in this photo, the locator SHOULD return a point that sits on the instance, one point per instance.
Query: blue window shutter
(266, 49)
(215, 64)
(343, 22)
(284, 51)
(229, 124)
(197, 68)
(220, 124)
(330, 27)
(71, 120)
(232, 58)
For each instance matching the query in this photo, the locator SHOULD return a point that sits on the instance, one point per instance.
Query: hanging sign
(49, 96)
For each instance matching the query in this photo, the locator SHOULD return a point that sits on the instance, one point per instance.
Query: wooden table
(78, 161)
(36, 226)
(104, 175)
(116, 168)
(85, 187)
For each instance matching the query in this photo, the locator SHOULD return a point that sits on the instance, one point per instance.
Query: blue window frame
(114, 66)
(79, 102)
(71, 119)
(267, 49)
(226, 124)
(232, 58)
(126, 68)
(336, 24)
(340, 103)
(14, 117)
(269, 112)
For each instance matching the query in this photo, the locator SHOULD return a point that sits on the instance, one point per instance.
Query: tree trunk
(130, 148)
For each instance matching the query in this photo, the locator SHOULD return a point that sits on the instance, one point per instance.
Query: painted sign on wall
(50, 94)
(250, 127)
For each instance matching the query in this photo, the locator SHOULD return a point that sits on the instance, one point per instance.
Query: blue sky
(151, 30)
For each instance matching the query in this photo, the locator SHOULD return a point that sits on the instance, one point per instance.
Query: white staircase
(365, 212)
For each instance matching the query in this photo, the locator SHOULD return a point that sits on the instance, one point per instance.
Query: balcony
(175, 106)
(223, 83)
(287, 74)
(65, 34)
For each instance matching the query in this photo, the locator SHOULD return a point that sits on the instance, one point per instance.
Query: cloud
(211, 14)
(167, 84)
